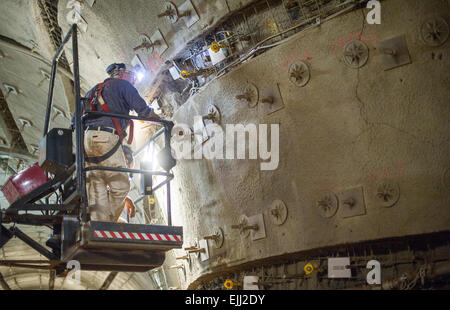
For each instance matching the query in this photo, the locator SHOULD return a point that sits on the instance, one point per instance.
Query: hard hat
(115, 67)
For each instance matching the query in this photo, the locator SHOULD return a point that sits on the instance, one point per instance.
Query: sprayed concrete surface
(329, 141)
(114, 29)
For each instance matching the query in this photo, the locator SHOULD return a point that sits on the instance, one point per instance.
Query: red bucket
(24, 182)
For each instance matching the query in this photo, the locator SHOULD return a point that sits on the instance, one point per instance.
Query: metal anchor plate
(260, 233)
(394, 52)
(162, 46)
(193, 17)
(352, 202)
(271, 99)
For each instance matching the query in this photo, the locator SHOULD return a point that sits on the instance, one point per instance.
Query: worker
(107, 190)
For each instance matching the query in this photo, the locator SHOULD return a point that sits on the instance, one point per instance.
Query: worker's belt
(101, 128)
(99, 159)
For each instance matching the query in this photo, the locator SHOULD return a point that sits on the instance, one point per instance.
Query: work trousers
(106, 190)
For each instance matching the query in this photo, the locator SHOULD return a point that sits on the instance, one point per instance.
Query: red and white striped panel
(135, 236)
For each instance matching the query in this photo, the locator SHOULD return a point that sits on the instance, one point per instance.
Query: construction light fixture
(165, 158)
(150, 156)
(146, 179)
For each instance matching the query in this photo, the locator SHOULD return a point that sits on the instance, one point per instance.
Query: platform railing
(80, 118)
(166, 130)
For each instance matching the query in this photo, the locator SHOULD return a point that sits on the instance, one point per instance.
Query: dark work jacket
(121, 97)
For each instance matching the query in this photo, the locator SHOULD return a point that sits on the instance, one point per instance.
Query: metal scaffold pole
(79, 155)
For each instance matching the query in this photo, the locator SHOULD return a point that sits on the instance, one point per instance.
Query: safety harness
(120, 132)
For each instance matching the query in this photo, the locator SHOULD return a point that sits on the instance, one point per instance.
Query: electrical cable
(306, 22)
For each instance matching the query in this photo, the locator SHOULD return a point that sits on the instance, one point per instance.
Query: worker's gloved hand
(131, 208)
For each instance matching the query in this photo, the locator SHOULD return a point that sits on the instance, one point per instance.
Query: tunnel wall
(346, 129)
